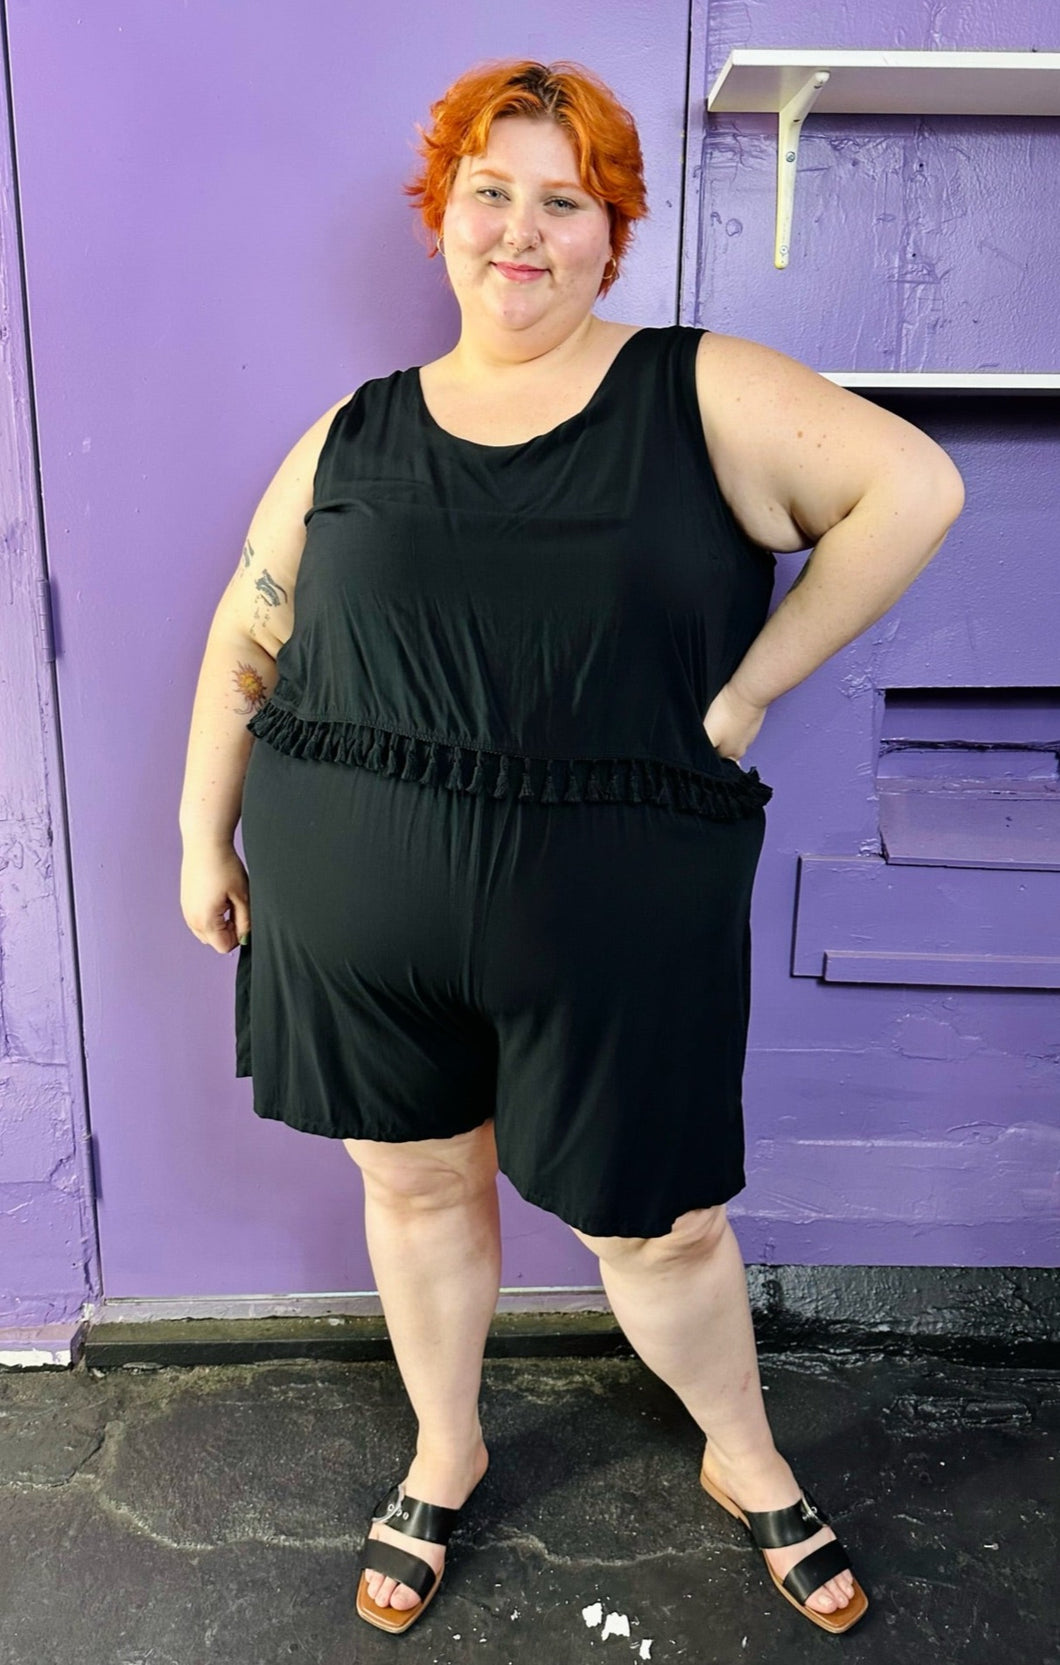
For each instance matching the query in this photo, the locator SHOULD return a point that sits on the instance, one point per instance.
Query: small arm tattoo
(250, 688)
(274, 593)
(268, 595)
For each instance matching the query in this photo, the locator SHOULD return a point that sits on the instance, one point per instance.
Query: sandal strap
(402, 1513)
(777, 1528)
(816, 1569)
(397, 1563)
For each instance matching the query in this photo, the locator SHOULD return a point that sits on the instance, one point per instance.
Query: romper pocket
(736, 772)
(726, 762)
(731, 763)
(243, 1009)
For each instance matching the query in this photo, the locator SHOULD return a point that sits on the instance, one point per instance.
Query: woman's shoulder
(750, 397)
(347, 413)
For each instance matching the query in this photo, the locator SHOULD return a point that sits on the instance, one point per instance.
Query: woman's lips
(519, 274)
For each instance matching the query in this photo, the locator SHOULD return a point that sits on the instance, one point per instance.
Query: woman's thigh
(428, 1170)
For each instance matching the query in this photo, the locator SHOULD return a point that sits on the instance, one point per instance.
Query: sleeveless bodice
(549, 619)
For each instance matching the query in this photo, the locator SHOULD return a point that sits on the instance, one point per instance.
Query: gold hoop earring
(612, 262)
(438, 245)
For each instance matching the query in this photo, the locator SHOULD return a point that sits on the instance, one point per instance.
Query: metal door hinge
(93, 1166)
(44, 608)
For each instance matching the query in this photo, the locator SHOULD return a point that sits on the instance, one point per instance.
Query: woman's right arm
(253, 619)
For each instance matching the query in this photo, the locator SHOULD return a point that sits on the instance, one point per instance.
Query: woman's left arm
(803, 461)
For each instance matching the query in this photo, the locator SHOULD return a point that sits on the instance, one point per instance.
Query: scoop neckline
(521, 444)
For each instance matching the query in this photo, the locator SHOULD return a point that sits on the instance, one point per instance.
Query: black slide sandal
(420, 1520)
(776, 1529)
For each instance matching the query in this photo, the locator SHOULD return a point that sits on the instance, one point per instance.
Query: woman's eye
(492, 190)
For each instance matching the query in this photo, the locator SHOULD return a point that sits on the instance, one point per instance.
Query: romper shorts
(422, 960)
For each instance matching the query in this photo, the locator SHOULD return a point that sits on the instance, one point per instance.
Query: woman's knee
(427, 1173)
(692, 1235)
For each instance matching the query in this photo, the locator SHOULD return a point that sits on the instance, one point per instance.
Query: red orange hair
(602, 132)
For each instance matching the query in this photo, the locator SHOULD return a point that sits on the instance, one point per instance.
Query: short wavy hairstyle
(603, 135)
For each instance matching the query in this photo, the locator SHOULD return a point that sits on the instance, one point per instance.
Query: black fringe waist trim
(543, 780)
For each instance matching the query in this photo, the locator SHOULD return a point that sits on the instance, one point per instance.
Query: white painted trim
(28, 1359)
(957, 381)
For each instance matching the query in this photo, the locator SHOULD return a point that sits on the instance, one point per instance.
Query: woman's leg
(682, 1302)
(433, 1230)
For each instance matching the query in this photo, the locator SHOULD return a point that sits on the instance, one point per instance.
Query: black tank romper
(496, 866)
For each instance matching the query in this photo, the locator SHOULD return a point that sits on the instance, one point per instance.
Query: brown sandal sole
(835, 1623)
(373, 1614)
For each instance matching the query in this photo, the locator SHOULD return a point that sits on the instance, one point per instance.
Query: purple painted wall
(918, 1122)
(216, 250)
(47, 1234)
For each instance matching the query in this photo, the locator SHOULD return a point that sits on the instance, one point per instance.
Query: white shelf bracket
(789, 129)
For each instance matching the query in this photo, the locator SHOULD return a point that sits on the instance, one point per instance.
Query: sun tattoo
(250, 688)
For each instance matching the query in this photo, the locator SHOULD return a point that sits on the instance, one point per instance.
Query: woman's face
(520, 205)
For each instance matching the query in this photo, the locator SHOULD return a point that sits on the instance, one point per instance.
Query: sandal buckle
(810, 1511)
(390, 1505)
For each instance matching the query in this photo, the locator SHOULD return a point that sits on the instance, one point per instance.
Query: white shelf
(956, 381)
(893, 83)
(793, 83)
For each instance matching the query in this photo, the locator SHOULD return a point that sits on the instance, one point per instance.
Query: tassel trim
(543, 780)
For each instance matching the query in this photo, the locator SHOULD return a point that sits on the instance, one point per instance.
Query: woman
(498, 836)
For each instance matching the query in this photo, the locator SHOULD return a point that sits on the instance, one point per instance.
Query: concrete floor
(213, 1514)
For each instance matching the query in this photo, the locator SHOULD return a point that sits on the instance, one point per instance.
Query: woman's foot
(448, 1482)
(772, 1485)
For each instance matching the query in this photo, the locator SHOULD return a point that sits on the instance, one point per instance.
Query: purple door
(217, 249)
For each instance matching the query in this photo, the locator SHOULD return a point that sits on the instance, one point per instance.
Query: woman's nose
(521, 232)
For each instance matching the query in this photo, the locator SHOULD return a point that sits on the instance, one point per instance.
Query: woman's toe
(403, 1597)
(821, 1600)
(835, 1591)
